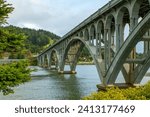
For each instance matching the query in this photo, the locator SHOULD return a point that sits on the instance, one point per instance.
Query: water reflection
(49, 85)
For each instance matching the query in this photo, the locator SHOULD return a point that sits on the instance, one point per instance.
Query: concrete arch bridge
(112, 35)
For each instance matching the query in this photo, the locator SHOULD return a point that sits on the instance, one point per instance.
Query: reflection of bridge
(104, 30)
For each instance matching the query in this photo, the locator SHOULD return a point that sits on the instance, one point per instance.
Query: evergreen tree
(37, 40)
(12, 74)
(5, 9)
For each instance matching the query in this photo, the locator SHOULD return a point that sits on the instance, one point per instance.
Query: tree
(12, 74)
(36, 40)
(11, 42)
(5, 9)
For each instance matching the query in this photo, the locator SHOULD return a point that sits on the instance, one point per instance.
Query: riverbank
(114, 93)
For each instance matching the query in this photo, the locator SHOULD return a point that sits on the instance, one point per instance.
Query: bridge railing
(95, 15)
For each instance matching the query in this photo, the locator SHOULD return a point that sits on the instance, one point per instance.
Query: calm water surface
(47, 85)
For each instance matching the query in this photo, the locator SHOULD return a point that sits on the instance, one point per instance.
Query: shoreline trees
(15, 73)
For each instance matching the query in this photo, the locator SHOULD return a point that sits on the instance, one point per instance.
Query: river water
(48, 85)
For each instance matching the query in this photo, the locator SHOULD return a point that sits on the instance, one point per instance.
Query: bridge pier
(102, 87)
(67, 72)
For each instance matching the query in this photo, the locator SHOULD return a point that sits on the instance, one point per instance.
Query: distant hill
(37, 40)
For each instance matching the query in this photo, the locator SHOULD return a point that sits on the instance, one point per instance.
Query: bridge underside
(118, 41)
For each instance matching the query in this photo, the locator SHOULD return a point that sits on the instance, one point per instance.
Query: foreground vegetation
(114, 93)
(15, 73)
(12, 75)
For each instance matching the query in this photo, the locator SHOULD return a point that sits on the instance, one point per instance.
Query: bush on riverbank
(12, 75)
(114, 93)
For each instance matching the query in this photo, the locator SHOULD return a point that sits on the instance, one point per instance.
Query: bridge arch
(92, 34)
(81, 34)
(100, 36)
(78, 44)
(86, 34)
(123, 18)
(122, 32)
(126, 48)
(109, 38)
(71, 54)
(54, 61)
(140, 9)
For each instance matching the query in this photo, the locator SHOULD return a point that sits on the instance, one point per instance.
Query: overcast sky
(57, 16)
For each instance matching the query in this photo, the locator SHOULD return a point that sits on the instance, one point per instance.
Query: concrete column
(97, 44)
(109, 46)
(90, 37)
(117, 37)
(121, 34)
(113, 38)
(145, 47)
(133, 22)
(93, 39)
(106, 50)
(48, 60)
(38, 61)
(100, 41)
(148, 46)
(147, 43)
(42, 60)
(148, 33)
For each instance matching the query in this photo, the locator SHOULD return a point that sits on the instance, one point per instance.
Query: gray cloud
(58, 16)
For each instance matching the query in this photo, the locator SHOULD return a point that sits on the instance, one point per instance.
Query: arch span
(54, 62)
(140, 9)
(92, 34)
(86, 34)
(129, 44)
(100, 36)
(73, 51)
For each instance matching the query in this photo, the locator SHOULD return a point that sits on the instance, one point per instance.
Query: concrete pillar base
(102, 87)
(67, 72)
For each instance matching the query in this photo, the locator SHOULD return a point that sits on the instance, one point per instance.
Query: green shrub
(114, 93)
(146, 91)
(134, 93)
(12, 75)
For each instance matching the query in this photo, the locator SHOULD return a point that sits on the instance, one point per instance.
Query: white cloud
(32, 26)
(58, 16)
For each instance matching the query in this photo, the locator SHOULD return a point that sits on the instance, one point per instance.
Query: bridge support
(67, 72)
(101, 87)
